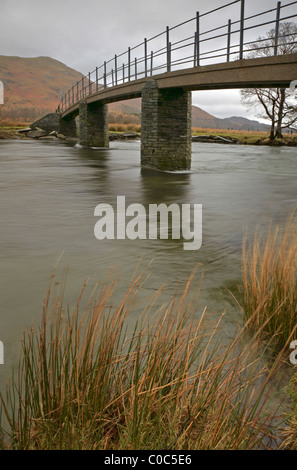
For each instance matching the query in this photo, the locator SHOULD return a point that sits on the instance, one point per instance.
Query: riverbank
(241, 137)
(219, 136)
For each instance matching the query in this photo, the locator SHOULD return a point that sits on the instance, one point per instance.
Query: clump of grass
(88, 381)
(125, 127)
(270, 283)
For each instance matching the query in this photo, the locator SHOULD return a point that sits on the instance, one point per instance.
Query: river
(48, 195)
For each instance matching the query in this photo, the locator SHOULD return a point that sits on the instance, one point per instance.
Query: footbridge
(207, 52)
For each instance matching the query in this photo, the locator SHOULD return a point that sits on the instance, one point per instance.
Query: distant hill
(237, 122)
(130, 111)
(34, 87)
(203, 119)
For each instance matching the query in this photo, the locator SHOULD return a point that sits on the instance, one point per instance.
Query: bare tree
(277, 103)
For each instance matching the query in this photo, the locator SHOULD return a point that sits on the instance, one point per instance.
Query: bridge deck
(275, 71)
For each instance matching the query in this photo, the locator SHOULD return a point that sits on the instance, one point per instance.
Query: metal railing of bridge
(190, 48)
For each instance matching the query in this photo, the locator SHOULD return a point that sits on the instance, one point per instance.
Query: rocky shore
(36, 134)
(43, 135)
(215, 139)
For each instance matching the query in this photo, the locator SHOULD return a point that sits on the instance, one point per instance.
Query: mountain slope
(33, 86)
(201, 118)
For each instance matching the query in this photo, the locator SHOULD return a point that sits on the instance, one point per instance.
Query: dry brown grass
(10, 124)
(88, 381)
(237, 132)
(125, 128)
(270, 283)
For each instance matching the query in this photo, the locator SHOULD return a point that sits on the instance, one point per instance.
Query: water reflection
(157, 185)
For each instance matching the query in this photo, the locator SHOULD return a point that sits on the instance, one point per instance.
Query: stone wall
(166, 127)
(68, 127)
(53, 122)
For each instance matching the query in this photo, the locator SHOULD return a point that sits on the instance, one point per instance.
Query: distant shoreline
(210, 136)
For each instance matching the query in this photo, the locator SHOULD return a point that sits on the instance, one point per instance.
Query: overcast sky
(84, 33)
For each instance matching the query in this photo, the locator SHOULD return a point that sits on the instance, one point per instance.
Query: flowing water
(48, 195)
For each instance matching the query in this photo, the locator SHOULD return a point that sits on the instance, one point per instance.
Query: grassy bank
(11, 131)
(89, 380)
(246, 137)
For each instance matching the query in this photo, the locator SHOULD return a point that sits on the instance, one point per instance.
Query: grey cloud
(82, 34)
(85, 33)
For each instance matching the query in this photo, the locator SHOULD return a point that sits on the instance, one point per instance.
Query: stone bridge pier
(93, 124)
(166, 132)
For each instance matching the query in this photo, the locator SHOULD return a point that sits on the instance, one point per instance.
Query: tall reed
(270, 283)
(88, 380)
